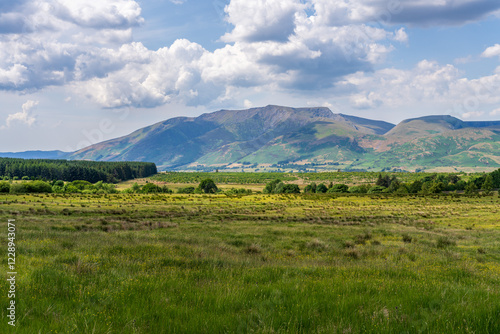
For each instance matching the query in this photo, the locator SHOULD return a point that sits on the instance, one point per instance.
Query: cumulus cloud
(22, 117)
(472, 114)
(492, 51)
(261, 20)
(281, 45)
(410, 12)
(428, 83)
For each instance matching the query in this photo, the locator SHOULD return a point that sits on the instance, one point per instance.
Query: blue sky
(74, 72)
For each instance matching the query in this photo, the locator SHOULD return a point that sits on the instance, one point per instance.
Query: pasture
(171, 263)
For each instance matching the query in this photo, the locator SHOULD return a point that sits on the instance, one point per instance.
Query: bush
(208, 186)
(358, 189)
(239, 191)
(407, 238)
(339, 188)
(150, 188)
(81, 184)
(376, 190)
(18, 188)
(4, 187)
(271, 187)
(57, 189)
(443, 242)
(69, 188)
(288, 189)
(310, 188)
(38, 187)
(186, 190)
(59, 183)
(321, 188)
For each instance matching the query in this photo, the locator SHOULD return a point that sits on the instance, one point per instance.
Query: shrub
(271, 186)
(376, 190)
(208, 186)
(310, 188)
(358, 189)
(4, 187)
(239, 191)
(18, 188)
(338, 188)
(443, 242)
(151, 188)
(287, 189)
(38, 187)
(407, 238)
(253, 249)
(321, 188)
(186, 190)
(58, 183)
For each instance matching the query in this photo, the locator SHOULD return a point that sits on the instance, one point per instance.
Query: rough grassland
(253, 264)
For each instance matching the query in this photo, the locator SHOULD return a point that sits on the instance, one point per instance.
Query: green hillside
(276, 137)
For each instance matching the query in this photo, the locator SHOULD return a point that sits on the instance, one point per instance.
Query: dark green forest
(69, 170)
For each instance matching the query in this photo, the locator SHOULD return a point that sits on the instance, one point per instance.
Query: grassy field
(258, 180)
(130, 263)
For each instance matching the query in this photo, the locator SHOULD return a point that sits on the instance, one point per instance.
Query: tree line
(70, 170)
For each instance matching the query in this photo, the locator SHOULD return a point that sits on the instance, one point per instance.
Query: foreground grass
(254, 264)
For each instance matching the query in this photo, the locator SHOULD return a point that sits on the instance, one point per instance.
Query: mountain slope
(35, 155)
(270, 134)
(275, 135)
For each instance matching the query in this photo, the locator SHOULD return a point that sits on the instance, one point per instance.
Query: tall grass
(254, 264)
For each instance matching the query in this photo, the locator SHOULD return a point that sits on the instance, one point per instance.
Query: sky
(77, 72)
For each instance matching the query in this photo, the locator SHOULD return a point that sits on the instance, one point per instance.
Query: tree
(488, 185)
(362, 189)
(288, 189)
(310, 188)
(208, 186)
(339, 188)
(150, 188)
(136, 187)
(4, 187)
(271, 186)
(38, 187)
(384, 181)
(471, 188)
(376, 190)
(321, 188)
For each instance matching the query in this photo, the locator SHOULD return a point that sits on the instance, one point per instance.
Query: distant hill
(35, 155)
(305, 138)
(259, 135)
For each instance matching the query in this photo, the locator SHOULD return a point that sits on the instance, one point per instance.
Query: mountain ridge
(304, 138)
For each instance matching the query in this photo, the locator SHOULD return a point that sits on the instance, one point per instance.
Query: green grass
(254, 264)
(222, 177)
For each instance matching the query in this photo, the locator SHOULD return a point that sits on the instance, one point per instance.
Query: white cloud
(472, 114)
(428, 83)
(23, 117)
(277, 45)
(401, 36)
(248, 104)
(492, 51)
(261, 20)
(495, 112)
(414, 12)
(102, 14)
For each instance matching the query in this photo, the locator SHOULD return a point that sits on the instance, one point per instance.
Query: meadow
(319, 263)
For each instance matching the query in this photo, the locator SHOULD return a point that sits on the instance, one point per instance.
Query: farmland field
(170, 263)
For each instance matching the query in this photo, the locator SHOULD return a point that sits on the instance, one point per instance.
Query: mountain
(265, 135)
(35, 155)
(275, 136)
